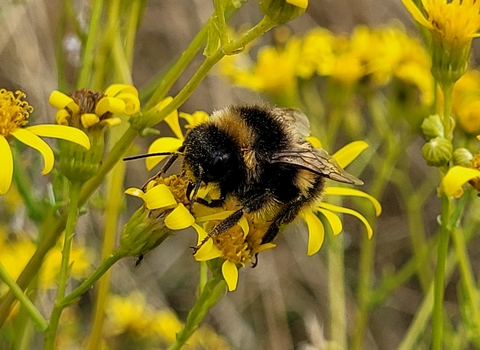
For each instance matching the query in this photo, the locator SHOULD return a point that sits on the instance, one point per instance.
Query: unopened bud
(432, 127)
(437, 152)
(281, 11)
(462, 157)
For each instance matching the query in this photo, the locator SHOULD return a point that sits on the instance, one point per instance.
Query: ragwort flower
(14, 114)
(164, 211)
(84, 109)
(453, 25)
(315, 226)
(457, 176)
(91, 112)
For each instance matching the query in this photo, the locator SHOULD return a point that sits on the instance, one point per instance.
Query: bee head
(210, 154)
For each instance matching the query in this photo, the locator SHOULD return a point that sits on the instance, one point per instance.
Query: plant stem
(23, 299)
(336, 290)
(88, 283)
(115, 185)
(439, 285)
(211, 294)
(89, 51)
(73, 210)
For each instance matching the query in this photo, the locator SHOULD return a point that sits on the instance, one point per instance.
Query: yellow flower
(14, 114)
(466, 102)
(452, 24)
(457, 176)
(16, 254)
(456, 22)
(164, 210)
(237, 246)
(171, 144)
(84, 109)
(315, 226)
(130, 314)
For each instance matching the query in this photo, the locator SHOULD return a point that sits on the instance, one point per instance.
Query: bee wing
(317, 161)
(294, 120)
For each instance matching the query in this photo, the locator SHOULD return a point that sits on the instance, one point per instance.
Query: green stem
(336, 290)
(447, 89)
(23, 299)
(233, 47)
(367, 249)
(89, 51)
(439, 285)
(211, 294)
(73, 212)
(88, 283)
(115, 193)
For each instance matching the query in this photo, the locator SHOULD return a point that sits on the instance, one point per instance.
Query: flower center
(14, 112)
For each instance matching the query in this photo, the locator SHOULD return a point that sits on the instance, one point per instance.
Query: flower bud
(437, 152)
(142, 233)
(462, 157)
(432, 127)
(282, 11)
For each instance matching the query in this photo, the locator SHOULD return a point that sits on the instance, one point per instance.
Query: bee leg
(223, 226)
(214, 203)
(287, 215)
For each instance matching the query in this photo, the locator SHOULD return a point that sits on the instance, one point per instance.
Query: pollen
(240, 248)
(14, 112)
(177, 185)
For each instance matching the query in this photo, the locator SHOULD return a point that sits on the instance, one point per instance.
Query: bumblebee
(261, 158)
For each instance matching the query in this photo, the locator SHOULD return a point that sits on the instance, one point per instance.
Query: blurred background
(284, 302)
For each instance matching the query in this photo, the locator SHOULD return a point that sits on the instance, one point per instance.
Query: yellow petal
(314, 141)
(135, 192)
(244, 225)
(62, 117)
(348, 153)
(109, 104)
(179, 218)
(416, 13)
(89, 119)
(299, 3)
(333, 220)
(338, 209)
(455, 178)
(162, 144)
(207, 251)
(172, 118)
(230, 274)
(61, 132)
(32, 140)
(316, 232)
(344, 191)
(111, 122)
(217, 216)
(59, 100)
(158, 197)
(6, 170)
(115, 89)
(132, 103)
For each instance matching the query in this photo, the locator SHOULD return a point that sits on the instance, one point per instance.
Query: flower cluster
(84, 109)
(368, 55)
(133, 316)
(14, 115)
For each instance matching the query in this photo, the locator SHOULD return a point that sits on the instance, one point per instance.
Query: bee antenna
(195, 189)
(146, 155)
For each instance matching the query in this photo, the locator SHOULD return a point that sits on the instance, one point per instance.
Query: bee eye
(220, 159)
